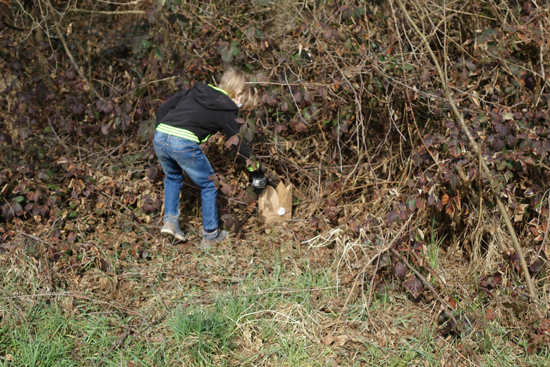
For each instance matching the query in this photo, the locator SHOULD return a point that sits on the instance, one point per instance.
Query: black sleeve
(231, 128)
(170, 104)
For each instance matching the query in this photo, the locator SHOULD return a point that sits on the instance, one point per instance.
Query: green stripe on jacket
(181, 133)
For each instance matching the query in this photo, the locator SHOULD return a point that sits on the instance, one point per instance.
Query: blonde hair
(234, 81)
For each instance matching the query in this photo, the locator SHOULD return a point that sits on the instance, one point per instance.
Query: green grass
(433, 246)
(50, 338)
(278, 313)
(44, 337)
(292, 352)
(205, 332)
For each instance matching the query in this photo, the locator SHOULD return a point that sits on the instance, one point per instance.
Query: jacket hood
(213, 99)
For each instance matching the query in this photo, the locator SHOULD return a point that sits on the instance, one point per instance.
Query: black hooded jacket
(204, 111)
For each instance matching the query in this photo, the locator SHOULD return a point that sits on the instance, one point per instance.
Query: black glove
(258, 180)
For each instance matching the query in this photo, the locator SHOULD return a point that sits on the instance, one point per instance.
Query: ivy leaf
(158, 54)
(235, 51)
(298, 125)
(232, 141)
(453, 180)
(32, 196)
(411, 202)
(308, 97)
(417, 159)
(248, 131)
(226, 52)
(152, 173)
(250, 32)
(216, 180)
(146, 43)
(392, 216)
(536, 266)
(248, 196)
(414, 286)
(173, 18)
(298, 96)
(260, 78)
(228, 221)
(7, 211)
(400, 270)
(280, 128)
(384, 260)
(106, 107)
(490, 281)
(227, 189)
(105, 129)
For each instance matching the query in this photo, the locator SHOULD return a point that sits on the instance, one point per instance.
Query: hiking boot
(212, 237)
(173, 229)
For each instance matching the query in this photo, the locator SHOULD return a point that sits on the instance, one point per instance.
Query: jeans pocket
(183, 149)
(185, 155)
(187, 158)
(157, 146)
(159, 142)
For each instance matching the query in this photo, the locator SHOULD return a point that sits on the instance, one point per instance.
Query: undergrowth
(396, 254)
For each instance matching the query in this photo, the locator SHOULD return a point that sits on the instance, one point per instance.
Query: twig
(485, 168)
(134, 2)
(57, 136)
(71, 58)
(35, 238)
(75, 295)
(8, 24)
(104, 12)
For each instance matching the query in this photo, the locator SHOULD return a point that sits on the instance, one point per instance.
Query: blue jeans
(175, 154)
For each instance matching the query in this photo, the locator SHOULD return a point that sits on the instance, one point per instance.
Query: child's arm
(231, 128)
